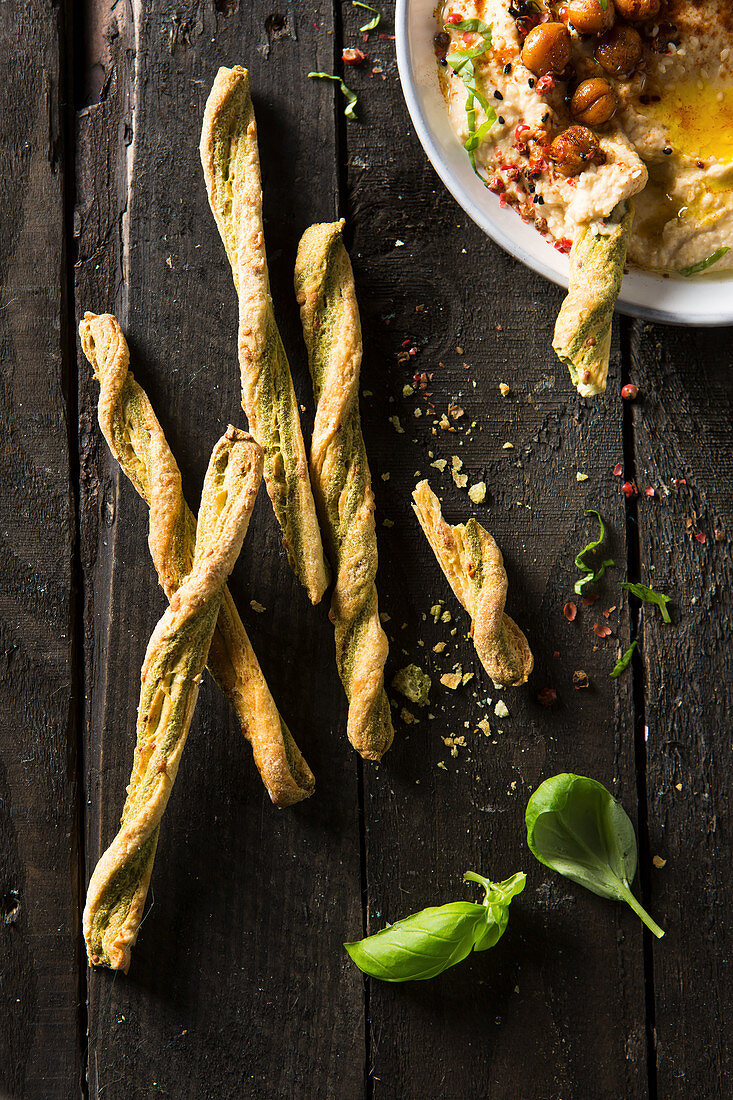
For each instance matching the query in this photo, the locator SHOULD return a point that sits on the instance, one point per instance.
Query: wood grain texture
(237, 1006)
(39, 887)
(682, 432)
(560, 1001)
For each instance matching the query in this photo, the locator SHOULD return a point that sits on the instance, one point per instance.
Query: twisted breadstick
(137, 441)
(582, 337)
(474, 567)
(324, 287)
(231, 164)
(171, 675)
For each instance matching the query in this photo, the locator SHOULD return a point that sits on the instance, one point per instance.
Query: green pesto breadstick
(171, 674)
(583, 329)
(474, 568)
(324, 287)
(231, 164)
(137, 441)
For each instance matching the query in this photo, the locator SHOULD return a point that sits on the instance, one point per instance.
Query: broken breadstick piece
(474, 568)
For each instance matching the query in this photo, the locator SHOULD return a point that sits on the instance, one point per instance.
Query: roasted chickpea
(619, 51)
(574, 149)
(636, 11)
(546, 49)
(594, 102)
(589, 16)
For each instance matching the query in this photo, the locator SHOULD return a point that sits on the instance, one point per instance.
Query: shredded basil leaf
(373, 23)
(350, 108)
(623, 662)
(648, 595)
(460, 60)
(604, 5)
(592, 572)
(703, 265)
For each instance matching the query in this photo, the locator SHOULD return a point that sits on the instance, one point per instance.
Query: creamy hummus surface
(668, 142)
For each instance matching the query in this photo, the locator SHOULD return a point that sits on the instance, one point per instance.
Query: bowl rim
(482, 215)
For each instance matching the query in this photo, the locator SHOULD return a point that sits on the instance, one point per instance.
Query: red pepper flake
(352, 56)
(570, 610)
(452, 18)
(556, 653)
(546, 697)
(545, 84)
(588, 601)
(618, 469)
(601, 630)
(701, 538)
(677, 481)
(629, 490)
(609, 611)
(522, 128)
(650, 491)
(564, 245)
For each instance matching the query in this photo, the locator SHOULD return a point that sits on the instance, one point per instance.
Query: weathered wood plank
(682, 427)
(39, 875)
(238, 984)
(570, 964)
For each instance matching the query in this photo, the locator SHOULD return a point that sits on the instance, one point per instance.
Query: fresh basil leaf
(427, 943)
(604, 5)
(593, 572)
(373, 23)
(350, 108)
(576, 827)
(648, 595)
(623, 661)
(703, 265)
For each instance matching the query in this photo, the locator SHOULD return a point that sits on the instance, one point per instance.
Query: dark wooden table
(239, 985)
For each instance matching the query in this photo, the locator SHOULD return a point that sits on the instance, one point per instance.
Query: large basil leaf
(576, 827)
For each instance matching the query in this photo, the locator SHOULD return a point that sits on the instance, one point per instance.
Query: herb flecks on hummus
(641, 109)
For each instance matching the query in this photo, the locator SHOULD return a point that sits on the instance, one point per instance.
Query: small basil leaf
(427, 943)
(350, 97)
(576, 827)
(374, 21)
(422, 945)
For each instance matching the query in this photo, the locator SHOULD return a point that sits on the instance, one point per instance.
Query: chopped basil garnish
(350, 108)
(604, 5)
(461, 62)
(703, 265)
(592, 572)
(623, 662)
(648, 595)
(374, 22)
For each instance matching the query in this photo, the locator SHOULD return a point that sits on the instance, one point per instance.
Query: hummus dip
(668, 142)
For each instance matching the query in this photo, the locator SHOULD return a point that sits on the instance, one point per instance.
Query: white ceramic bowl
(705, 300)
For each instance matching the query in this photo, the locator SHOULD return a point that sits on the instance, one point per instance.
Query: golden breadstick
(137, 441)
(324, 287)
(231, 164)
(582, 337)
(171, 674)
(474, 567)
